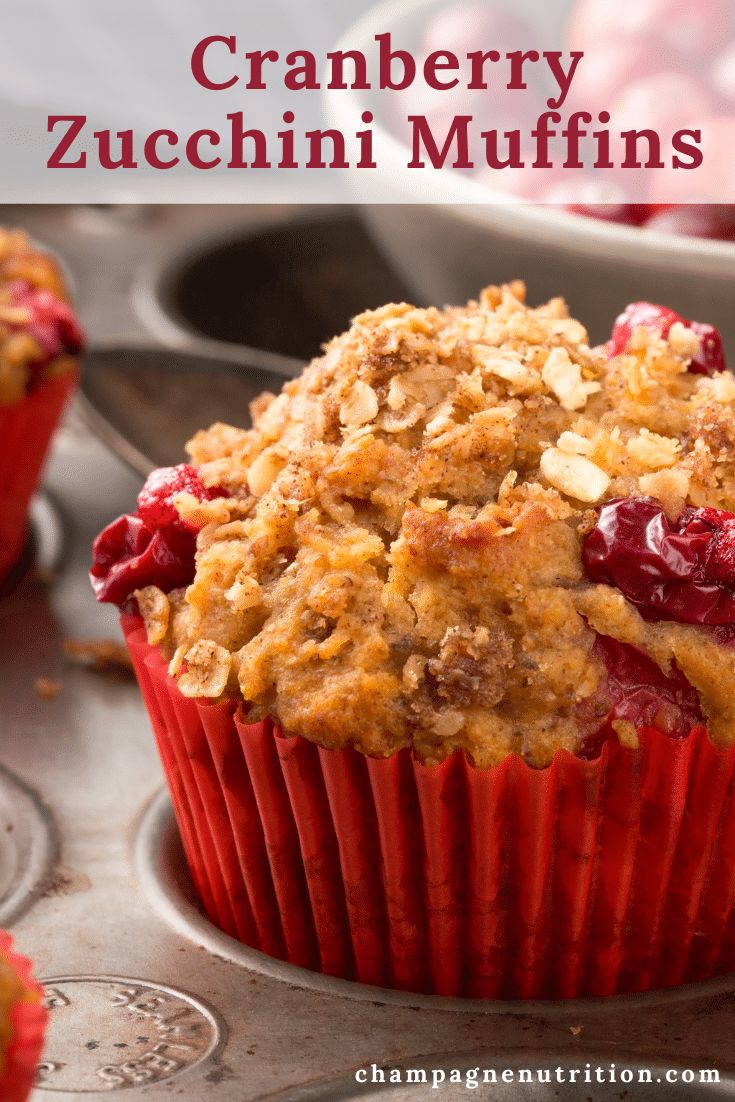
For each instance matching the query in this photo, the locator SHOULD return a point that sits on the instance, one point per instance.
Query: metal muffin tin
(146, 997)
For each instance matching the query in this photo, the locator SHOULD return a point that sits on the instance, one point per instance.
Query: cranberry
(154, 546)
(128, 556)
(52, 323)
(635, 690)
(156, 499)
(711, 356)
(683, 571)
(724, 634)
(659, 319)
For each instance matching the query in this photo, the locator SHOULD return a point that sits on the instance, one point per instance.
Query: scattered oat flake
(574, 475)
(575, 1030)
(103, 655)
(564, 379)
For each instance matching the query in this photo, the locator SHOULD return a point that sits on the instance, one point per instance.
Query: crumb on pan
(46, 688)
(103, 655)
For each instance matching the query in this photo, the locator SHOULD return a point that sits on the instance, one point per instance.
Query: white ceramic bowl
(449, 249)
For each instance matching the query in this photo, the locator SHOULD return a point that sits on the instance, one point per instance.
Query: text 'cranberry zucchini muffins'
(22, 1024)
(440, 654)
(40, 342)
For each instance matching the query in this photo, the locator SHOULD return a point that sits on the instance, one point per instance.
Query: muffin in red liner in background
(40, 343)
(22, 1023)
(439, 654)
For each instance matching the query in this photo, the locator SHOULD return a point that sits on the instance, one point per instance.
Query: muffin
(22, 1023)
(439, 653)
(40, 342)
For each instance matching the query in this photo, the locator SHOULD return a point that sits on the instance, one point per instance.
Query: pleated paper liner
(26, 428)
(28, 1023)
(584, 878)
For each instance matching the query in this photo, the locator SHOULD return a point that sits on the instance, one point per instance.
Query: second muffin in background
(40, 343)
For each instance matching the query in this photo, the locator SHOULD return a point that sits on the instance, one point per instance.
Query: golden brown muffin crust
(399, 563)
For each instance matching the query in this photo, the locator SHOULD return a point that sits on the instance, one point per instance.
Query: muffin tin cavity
(162, 874)
(122, 385)
(161, 870)
(27, 847)
(284, 288)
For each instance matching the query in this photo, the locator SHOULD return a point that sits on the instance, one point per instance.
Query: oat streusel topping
(399, 560)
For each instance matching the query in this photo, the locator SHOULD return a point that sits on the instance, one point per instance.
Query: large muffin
(458, 529)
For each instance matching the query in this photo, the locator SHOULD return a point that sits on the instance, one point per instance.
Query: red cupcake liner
(26, 428)
(584, 878)
(28, 1025)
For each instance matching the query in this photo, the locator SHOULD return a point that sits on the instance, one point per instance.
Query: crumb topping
(397, 559)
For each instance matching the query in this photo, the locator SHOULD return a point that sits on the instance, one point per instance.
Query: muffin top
(458, 529)
(39, 334)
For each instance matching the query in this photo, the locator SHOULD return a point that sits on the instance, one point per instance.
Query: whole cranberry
(711, 357)
(156, 499)
(154, 546)
(682, 571)
(659, 319)
(128, 555)
(636, 690)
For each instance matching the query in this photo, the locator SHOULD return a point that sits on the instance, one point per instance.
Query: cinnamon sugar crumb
(102, 655)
